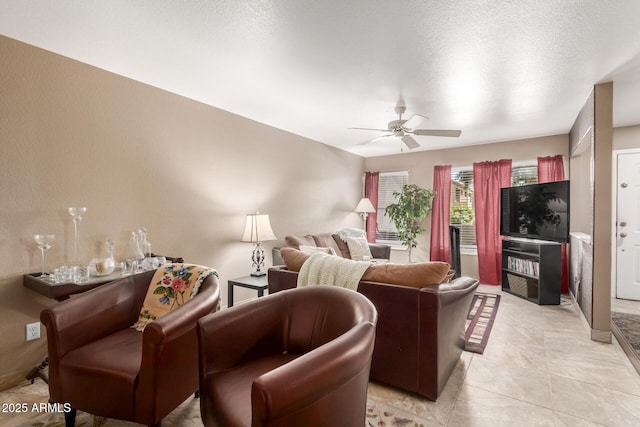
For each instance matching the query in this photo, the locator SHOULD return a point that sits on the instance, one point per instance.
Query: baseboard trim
(601, 336)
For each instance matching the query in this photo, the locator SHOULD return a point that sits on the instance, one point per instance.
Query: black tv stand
(532, 269)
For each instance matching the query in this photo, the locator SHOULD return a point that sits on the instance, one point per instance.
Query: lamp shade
(364, 205)
(257, 229)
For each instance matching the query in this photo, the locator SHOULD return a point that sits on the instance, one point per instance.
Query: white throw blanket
(324, 269)
(350, 232)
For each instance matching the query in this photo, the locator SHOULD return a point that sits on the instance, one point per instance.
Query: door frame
(614, 215)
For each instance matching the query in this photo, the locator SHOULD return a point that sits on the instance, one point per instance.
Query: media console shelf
(531, 269)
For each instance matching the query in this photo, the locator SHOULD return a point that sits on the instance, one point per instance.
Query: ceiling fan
(403, 129)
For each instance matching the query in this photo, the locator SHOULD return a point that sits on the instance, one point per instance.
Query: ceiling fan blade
(381, 130)
(438, 132)
(374, 139)
(414, 121)
(410, 142)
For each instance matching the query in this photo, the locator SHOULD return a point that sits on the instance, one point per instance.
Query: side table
(251, 282)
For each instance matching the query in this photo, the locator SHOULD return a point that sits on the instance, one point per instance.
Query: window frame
(528, 166)
(387, 198)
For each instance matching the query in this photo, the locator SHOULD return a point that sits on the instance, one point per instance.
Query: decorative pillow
(293, 258)
(342, 245)
(325, 240)
(296, 241)
(171, 286)
(310, 250)
(359, 248)
(416, 275)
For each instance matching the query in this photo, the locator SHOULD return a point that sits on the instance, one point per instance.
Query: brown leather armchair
(98, 364)
(297, 358)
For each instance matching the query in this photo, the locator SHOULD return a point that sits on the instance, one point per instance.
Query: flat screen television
(536, 211)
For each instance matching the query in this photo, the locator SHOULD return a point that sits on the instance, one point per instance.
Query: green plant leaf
(413, 206)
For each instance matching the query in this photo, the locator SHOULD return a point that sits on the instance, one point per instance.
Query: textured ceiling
(497, 70)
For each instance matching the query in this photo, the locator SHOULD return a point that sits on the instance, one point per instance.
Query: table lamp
(364, 208)
(257, 230)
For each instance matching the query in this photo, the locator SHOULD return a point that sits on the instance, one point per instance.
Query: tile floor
(539, 369)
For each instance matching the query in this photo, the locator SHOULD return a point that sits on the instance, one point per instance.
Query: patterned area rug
(36, 414)
(626, 328)
(482, 313)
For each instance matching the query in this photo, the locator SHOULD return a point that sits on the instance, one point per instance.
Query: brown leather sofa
(99, 365)
(420, 331)
(297, 358)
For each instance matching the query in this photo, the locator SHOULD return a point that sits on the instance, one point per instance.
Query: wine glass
(77, 213)
(44, 243)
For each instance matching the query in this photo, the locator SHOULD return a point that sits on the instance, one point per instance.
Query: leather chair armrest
(94, 314)
(380, 251)
(454, 290)
(280, 279)
(443, 311)
(170, 350)
(271, 392)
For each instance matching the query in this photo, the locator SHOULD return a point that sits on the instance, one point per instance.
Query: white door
(628, 227)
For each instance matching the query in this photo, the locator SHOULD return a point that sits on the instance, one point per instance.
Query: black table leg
(38, 372)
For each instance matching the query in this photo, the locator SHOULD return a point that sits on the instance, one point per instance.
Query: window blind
(388, 183)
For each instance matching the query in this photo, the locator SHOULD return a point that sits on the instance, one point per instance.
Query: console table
(62, 291)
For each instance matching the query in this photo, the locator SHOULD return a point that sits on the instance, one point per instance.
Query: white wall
(138, 156)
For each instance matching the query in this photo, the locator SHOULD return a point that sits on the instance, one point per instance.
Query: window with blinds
(388, 183)
(462, 209)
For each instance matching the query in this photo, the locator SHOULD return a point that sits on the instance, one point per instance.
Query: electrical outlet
(33, 331)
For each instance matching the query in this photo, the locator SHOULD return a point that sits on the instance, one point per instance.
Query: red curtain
(371, 192)
(551, 169)
(440, 215)
(488, 178)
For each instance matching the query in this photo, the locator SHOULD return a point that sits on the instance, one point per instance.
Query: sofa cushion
(297, 241)
(358, 248)
(416, 275)
(310, 250)
(325, 240)
(114, 364)
(293, 258)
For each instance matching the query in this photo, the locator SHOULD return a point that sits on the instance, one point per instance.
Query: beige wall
(592, 142)
(139, 156)
(420, 166)
(627, 137)
(602, 239)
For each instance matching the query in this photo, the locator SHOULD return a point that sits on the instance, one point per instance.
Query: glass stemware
(44, 243)
(77, 213)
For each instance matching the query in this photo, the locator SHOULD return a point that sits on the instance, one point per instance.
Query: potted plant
(413, 206)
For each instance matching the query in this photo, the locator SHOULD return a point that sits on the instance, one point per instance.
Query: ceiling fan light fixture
(403, 129)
